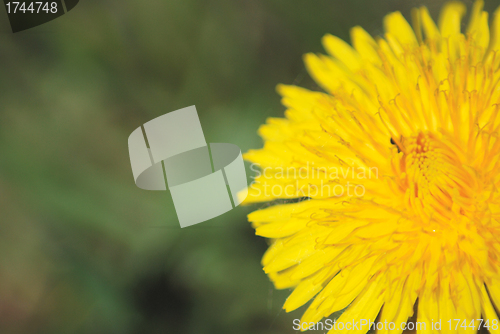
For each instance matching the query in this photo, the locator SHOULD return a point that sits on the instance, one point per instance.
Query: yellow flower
(396, 167)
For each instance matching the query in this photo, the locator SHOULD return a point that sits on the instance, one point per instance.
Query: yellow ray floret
(392, 177)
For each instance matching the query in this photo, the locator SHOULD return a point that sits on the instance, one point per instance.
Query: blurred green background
(82, 249)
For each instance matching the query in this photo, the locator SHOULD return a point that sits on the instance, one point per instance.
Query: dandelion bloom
(397, 165)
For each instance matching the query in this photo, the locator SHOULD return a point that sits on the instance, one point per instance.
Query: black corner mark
(70, 4)
(26, 14)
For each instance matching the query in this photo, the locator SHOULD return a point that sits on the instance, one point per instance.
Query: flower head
(397, 164)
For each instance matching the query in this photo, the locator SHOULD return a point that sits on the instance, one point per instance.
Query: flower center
(438, 187)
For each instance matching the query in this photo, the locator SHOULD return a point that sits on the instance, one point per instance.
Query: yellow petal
(366, 307)
(495, 31)
(314, 263)
(450, 18)
(488, 311)
(282, 280)
(306, 290)
(494, 290)
(342, 51)
(478, 25)
(397, 26)
(282, 228)
(449, 25)
(430, 29)
(365, 45)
